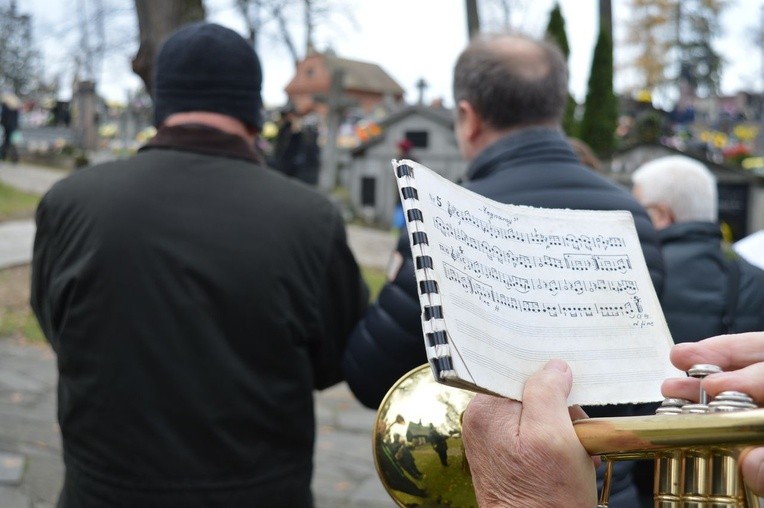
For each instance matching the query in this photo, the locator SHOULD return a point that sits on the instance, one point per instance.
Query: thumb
(545, 395)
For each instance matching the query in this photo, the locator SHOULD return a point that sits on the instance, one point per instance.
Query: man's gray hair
(685, 185)
(512, 80)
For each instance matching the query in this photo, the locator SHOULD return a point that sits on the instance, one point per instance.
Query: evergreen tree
(601, 107)
(555, 32)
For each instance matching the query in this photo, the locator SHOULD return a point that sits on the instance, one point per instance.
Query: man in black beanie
(194, 300)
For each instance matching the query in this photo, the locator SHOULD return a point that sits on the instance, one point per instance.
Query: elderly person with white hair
(708, 289)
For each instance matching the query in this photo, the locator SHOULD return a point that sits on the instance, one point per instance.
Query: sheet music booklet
(504, 289)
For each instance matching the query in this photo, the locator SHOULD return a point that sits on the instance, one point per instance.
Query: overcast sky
(410, 39)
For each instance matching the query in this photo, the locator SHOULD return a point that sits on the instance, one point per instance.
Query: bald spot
(523, 57)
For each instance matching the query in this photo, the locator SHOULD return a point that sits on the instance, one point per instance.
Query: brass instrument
(419, 455)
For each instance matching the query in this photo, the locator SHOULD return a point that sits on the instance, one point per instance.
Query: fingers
(752, 465)
(681, 388)
(727, 351)
(748, 380)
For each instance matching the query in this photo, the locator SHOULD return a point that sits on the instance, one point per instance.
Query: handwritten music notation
(568, 261)
(573, 241)
(631, 308)
(526, 284)
(510, 262)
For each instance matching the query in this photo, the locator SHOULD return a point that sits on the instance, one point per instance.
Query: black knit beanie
(207, 67)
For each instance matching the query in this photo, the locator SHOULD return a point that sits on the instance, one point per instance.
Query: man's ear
(469, 121)
(662, 215)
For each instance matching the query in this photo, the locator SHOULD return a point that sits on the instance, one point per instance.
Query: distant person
(439, 443)
(510, 93)
(386, 446)
(709, 289)
(296, 152)
(195, 300)
(401, 448)
(9, 119)
(310, 162)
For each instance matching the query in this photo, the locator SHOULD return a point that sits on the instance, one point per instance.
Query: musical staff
(553, 286)
(486, 293)
(576, 242)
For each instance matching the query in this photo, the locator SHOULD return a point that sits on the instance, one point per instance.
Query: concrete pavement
(30, 178)
(30, 447)
(16, 238)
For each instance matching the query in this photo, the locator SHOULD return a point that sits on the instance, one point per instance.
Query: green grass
(20, 324)
(15, 204)
(375, 278)
(446, 486)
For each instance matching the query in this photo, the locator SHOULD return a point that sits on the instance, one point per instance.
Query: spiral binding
(441, 363)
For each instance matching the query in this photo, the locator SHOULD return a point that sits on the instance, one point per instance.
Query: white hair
(685, 185)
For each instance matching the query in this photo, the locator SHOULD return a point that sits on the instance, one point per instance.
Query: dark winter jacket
(701, 287)
(194, 300)
(534, 167)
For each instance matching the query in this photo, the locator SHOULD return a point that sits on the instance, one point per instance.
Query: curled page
(505, 288)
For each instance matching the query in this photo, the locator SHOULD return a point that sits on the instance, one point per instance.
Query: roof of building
(714, 166)
(363, 76)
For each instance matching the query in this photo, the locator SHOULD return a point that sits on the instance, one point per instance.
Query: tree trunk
(156, 20)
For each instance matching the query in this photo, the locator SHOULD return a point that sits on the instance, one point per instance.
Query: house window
(420, 139)
(368, 189)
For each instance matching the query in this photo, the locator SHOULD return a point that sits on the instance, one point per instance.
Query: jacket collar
(202, 139)
(536, 144)
(694, 230)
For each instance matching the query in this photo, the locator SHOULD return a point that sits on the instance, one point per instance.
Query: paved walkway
(30, 446)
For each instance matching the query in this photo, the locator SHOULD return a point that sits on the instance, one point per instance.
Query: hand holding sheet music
(505, 288)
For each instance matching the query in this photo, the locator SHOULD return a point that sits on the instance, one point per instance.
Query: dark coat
(534, 167)
(697, 289)
(194, 301)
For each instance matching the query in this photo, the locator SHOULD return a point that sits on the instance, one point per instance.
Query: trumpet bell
(418, 450)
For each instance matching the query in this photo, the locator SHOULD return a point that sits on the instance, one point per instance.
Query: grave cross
(422, 86)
